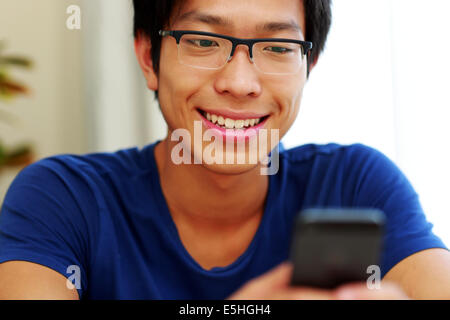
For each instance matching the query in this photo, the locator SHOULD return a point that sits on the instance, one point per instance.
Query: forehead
(242, 16)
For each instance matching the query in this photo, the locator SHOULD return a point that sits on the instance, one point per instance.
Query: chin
(226, 162)
(230, 169)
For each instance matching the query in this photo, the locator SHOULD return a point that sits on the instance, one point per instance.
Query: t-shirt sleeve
(379, 183)
(41, 221)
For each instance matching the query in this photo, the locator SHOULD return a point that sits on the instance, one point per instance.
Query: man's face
(238, 90)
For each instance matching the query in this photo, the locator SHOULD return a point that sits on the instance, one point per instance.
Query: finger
(308, 294)
(286, 294)
(360, 291)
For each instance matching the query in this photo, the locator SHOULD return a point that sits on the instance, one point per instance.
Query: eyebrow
(225, 22)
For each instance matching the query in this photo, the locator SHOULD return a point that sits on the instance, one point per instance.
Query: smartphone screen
(331, 247)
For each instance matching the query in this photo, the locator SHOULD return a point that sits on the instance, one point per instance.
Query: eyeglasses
(207, 50)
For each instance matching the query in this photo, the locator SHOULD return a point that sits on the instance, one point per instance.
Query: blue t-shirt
(105, 213)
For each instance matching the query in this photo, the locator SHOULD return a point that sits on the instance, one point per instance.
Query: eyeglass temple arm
(309, 48)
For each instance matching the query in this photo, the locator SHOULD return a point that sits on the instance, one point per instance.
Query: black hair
(150, 16)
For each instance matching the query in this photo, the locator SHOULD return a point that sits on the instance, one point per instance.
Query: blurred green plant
(9, 89)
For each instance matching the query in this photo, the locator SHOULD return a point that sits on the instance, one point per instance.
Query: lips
(235, 134)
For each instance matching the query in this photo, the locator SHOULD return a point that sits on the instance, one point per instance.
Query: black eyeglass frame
(177, 34)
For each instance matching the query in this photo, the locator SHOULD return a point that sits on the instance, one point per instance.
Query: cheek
(295, 103)
(289, 95)
(177, 83)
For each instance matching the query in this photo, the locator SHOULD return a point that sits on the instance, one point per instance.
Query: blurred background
(382, 81)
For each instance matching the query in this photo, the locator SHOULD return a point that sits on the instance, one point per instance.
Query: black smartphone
(331, 247)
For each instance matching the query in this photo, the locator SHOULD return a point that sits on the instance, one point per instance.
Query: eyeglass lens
(213, 52)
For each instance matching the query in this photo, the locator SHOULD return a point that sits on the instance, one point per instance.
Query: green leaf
(16, 61)
(19, 151)
(2, 154)
(13, 87)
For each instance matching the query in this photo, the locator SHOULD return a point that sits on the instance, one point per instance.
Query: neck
(201, 197)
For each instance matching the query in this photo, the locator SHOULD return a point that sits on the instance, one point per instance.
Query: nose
(239, 77)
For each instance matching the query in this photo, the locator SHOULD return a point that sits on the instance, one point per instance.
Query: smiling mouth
(227, 123)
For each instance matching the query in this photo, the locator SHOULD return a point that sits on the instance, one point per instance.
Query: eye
(278, 49)
(204, 43)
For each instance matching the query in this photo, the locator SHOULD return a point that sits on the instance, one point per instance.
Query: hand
(274, 285)
(359, 291)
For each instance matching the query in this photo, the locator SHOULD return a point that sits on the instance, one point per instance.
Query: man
(142, 224)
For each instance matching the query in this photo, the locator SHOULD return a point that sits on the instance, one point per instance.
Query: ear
(312, 64)
(142, 48)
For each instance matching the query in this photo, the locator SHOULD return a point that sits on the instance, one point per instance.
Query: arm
(21, 280)
(43, 233)
(414, 258)
(274, 285)
(423, 275)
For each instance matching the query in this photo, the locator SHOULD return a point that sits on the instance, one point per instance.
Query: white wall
(52, 118)
(348, 97)
(121, 110)
(383, 81)
(421, 74)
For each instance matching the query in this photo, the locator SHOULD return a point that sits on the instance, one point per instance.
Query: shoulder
(336, 174)
(352, 156)
(126, 160)
(71, 167)
(74, 182)
(357, 168)
(310, 151)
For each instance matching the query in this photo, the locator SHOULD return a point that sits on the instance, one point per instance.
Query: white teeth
(230, 123)
(239, 124)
